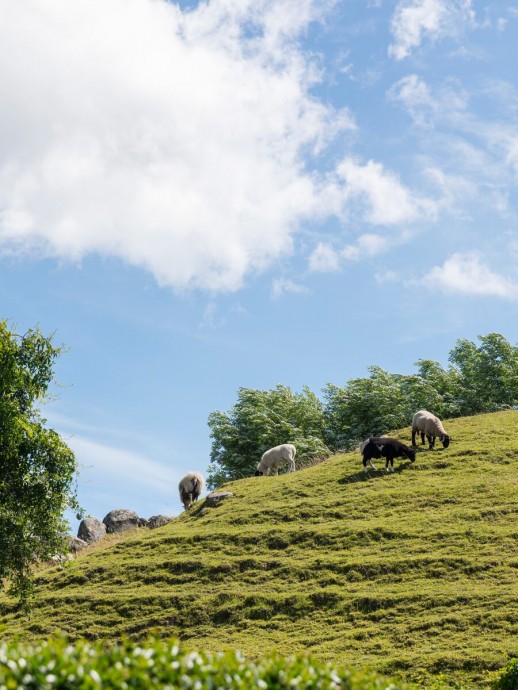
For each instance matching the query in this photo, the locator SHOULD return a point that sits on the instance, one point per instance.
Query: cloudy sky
(199, 196)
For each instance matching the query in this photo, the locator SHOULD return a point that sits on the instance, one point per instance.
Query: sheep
(190, 487)
(425, 423)
(364, 443)
(384, 447)
(277, 457)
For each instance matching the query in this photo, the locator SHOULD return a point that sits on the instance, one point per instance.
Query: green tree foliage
(258, 421)
(374, 406)
(37, 469)
(447, 383)
(487, 376)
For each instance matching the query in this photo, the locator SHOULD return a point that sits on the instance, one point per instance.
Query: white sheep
(426, 423)
(190, 487)
(277, 457)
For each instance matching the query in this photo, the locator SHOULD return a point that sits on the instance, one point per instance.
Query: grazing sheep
(384, 447)
(277, 457)
(364, 443)
(425, 423)
(190, 487)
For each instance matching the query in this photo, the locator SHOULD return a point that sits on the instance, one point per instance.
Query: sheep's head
(258, 473)
(411, 455)
(187, 499)
(445, 440)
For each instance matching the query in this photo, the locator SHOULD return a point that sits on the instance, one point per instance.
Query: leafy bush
(507, 678)
(163, 664)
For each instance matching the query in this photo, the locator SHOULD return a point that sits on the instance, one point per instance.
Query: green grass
(412, 574)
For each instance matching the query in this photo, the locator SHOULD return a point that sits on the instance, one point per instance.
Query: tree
(258, 421)
(37, 469)
(447, 383)
(373, 406)
(488, 374)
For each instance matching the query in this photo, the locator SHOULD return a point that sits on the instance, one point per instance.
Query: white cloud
(386, 276)
(324, 259)
(123, 467)
(413, 93)
(467, 274)
(447, 104)
(512, 153)
(386, 200)
(176, 141)
(413, 20)
(366, 245)
(284, 286)
(327, 259)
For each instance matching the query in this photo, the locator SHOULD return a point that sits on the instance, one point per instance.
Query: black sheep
(384, 447)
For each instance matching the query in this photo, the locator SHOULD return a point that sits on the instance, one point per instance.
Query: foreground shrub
(507, 678)
(163, 664)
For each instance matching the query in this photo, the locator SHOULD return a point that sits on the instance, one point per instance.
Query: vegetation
(478, 379)
(258, 421)
(507, 678)
(411, 574)
(164, 664)
(37, 468)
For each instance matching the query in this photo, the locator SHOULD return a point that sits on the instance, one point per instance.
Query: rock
(91, 529)
(75, 544)
(59, 559)
(142, 522)
(158, 521)
(214, 500)
(121, 520)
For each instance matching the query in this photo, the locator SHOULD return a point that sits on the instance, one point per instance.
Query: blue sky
(197, 197)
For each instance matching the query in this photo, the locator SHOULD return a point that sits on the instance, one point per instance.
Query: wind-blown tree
(258, 421)
(447, 383)
(37, 469)
(487, 375)
(373, 406)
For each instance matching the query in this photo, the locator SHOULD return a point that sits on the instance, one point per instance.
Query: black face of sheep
(445, 440)
(187, 499)
(258, 473)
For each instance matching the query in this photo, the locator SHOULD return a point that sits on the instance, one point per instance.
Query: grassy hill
(412, 574)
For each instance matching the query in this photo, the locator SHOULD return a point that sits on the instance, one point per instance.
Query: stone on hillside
(215, 499)
(158, 521)
(121, 520)
(75, 544)
(142, 522)
(91, 529)
(59, 559)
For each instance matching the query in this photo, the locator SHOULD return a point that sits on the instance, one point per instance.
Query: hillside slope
(413, 574)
